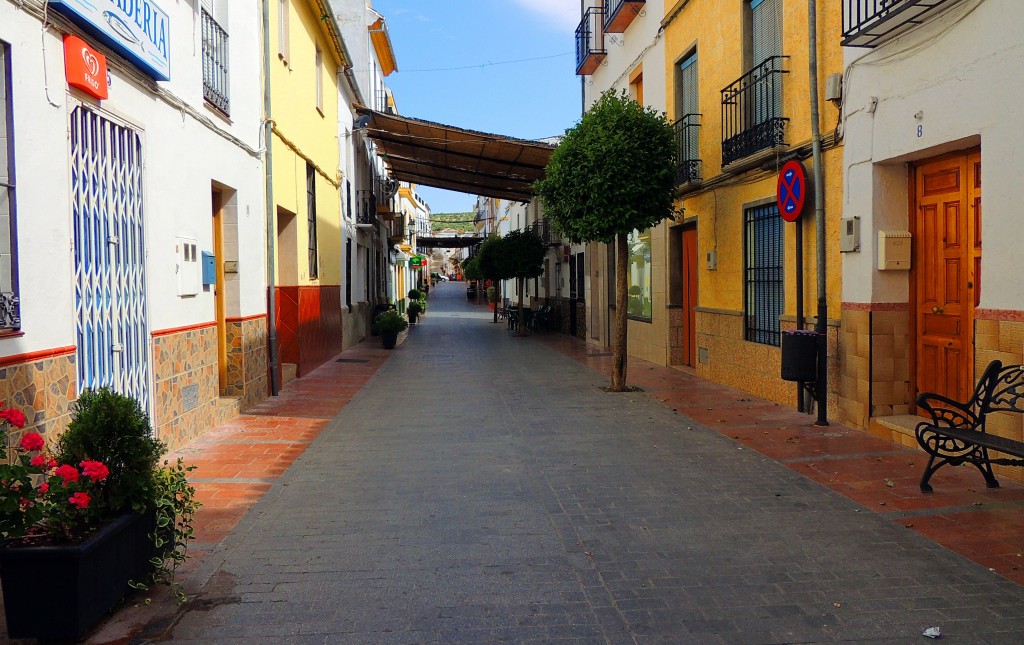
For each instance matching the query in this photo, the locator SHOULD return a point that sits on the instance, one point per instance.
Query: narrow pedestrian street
(483, 488)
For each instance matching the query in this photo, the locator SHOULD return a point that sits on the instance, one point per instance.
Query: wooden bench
(956, 433)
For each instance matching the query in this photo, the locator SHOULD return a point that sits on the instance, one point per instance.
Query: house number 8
(920, 131)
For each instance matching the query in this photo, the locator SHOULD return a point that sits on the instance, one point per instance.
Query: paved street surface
(482, 488)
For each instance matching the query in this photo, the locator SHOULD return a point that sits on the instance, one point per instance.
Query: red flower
(14, 417)
(52, 463)
(80, 500)
(44, 487)
(95, 470)
(68, 472)
(31, 441)
(25, 502)
(39, 461)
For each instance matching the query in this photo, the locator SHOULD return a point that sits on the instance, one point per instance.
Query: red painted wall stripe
(245, 318)
(179, 330)
(36, 356)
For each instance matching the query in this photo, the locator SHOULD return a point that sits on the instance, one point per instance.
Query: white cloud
(561, 13)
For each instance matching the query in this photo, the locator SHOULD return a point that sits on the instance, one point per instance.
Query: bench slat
(983, 439)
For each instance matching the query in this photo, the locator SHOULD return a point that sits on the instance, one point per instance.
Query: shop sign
(139, 30)
(84, 67)
(417, 262)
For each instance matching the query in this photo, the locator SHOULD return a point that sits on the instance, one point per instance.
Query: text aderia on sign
(139, 30)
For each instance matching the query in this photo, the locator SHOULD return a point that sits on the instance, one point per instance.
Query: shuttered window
(10, 310)
(766, 29)
(689, 104)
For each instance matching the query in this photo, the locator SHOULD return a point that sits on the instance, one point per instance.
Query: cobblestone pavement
(482, 488)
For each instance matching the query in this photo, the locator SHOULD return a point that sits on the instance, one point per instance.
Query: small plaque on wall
(190, 397)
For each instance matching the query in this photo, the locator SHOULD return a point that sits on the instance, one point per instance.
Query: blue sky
(531, 99)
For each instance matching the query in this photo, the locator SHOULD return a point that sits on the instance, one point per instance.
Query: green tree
(522, 258)
(491, 261)
(613, 173)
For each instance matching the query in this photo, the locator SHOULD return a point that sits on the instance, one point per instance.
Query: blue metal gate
(110, 256)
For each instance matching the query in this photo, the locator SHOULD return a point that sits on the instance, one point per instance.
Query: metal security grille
(215, 64)
(10, 303)
(314, 268)
(110, 256)
(764, 295)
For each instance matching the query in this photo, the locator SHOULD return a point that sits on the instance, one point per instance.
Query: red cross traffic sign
(791, 190)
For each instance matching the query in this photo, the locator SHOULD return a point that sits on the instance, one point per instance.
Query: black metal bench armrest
(945, 412)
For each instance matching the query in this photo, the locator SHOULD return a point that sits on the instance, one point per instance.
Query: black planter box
(60, 592)
(799, 356)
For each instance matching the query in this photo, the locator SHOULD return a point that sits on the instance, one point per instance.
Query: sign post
(790, 195)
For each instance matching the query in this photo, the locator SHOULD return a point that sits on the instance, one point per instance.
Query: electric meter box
(187, 266)
(894, 250)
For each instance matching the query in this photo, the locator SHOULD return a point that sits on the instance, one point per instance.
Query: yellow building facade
(738, 95)
(306, 54)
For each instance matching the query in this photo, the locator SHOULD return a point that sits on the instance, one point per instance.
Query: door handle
(936, 310)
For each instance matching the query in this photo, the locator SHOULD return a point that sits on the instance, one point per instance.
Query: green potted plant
(413, 311)
(80, 523)
(415, 294)
(389, 324)
(492, 296)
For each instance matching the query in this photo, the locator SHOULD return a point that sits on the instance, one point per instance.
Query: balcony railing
(752, 118)
(619, 14)
(366, 207)
(215, 64)
(869, 23)
(542, 228)
(590, 49)
(688, 166)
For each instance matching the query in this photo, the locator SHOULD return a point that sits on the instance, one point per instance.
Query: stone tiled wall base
(875, 375)
(753, 367)
(676, 337)
(180, 360)
(1002, 340)
(355, 325)
(581, 320)
(247, 361)
(43, 390)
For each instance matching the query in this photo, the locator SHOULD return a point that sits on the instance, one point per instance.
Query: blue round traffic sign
(791, 191)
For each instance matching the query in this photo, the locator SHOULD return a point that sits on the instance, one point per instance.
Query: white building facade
(131, 202)
(929, 119)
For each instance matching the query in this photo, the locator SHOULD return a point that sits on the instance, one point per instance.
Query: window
(638, 293)
(319, 64)
(763, 293)
(215, 61)
(10, 309)
(314, 272)
(348, 274)
(282, 31)
(766, 43)
(636, 85)
(687, 126)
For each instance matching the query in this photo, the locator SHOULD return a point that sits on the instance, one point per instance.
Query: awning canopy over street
(467, 161)
(461, 242)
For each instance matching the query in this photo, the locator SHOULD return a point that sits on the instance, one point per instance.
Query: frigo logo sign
(85, 68)
(139, 30)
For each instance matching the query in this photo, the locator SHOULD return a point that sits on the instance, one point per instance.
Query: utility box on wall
(894, 250)
(187, 266)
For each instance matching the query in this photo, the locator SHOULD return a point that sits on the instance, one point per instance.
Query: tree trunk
(494, 283)
(621, 305)
(520, 282)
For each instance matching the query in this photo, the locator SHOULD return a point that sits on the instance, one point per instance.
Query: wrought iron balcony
(215, 64)
(752, 118)
(688, 166)
(870, 23)
(590, 49)
(619, 14)
(542, 228)
(366, 208)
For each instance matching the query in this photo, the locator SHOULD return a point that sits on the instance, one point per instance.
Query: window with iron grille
(215, 63)
(10, 309)
(314, 271)
(764, 269)
(766, 43)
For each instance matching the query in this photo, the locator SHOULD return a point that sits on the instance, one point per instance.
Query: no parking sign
(791, 191)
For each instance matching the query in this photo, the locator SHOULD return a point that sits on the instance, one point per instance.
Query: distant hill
(459, 221)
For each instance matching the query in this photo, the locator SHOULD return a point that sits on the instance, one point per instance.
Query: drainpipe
(268, 166)
(819, 217)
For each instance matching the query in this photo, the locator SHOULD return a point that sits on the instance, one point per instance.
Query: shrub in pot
(389, 324)
(415, 294)
(414, 310)
(80, 524)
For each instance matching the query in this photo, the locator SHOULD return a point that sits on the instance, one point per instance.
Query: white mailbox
(894, 250)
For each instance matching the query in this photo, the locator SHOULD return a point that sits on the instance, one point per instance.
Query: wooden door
(947, 257)
(218, 295)
(690, 296)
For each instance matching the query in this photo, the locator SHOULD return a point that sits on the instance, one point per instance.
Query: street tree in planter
(613, 173)
(471, 271)
(522, 257)
(490, 261)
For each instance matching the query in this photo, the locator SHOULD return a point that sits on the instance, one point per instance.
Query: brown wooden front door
(690, 296)
(947, 259)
